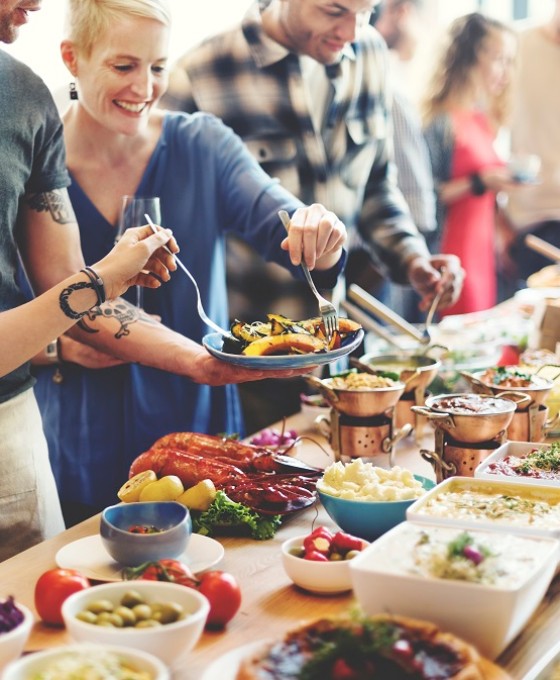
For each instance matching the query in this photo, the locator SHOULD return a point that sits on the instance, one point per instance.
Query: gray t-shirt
(32, 160)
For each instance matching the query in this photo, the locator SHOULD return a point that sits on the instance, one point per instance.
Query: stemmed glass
(133, 209)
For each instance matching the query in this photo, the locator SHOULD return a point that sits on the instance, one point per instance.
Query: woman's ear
(69, 56)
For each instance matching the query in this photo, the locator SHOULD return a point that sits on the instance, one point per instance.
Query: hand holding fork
(326, 309)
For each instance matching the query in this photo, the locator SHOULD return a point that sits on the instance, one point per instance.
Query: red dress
(468, 231)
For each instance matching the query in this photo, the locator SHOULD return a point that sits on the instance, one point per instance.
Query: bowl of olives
(162, 618)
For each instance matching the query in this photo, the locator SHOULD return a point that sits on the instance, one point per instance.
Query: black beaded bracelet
(97, 283)
(478, 188)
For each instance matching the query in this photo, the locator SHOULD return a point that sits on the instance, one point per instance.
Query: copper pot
(532, 425)
(417, 370)
(360, 403)
(537, 392)
(486, 418)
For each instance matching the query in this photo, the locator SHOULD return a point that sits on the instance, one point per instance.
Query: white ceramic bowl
(317, 577)
(13, 642)
(386, 578)
(32, 664)
(171, 642)
(517, 450)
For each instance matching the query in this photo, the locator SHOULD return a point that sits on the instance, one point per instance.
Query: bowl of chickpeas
(162, 618)
(361, 394)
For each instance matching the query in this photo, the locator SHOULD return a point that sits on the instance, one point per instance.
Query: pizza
(367, 648)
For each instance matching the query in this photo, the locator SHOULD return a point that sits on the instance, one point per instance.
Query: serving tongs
(543, 247)
(381, 311)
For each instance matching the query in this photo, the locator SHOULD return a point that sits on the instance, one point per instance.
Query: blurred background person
(305, 85)
(402, 25)
(535, 129)
(467, 103)
(97, 416)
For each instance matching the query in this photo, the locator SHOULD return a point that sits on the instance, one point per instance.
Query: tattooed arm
(29, 327)
(49, 243)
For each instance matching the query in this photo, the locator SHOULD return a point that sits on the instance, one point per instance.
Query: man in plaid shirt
(303, 82)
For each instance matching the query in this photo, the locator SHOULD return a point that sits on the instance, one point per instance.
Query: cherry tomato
(224, 595)
(52, 588)
(163, 570)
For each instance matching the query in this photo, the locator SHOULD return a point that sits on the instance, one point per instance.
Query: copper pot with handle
(468, 418)
(363, 403)
(537, 391)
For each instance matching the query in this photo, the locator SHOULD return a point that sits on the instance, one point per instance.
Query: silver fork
(200, 309)
(326, 309)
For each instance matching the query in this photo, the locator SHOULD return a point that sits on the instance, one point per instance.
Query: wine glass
(132, 214)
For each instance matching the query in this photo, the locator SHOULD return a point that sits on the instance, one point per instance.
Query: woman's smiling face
(126, 73)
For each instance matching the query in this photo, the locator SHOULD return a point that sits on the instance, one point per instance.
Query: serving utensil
(199, 307)
(326, 309)
(543, 247)
(430, 316)
(383, 312)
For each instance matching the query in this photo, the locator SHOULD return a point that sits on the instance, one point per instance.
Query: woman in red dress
(466, 108)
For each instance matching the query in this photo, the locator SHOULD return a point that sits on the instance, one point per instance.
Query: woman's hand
(138, 259)
(316, 237)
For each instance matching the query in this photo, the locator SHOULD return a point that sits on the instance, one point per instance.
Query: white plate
(89, 557)
(213, 343)
(226, 666)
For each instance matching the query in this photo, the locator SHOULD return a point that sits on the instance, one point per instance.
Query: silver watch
(51, 352)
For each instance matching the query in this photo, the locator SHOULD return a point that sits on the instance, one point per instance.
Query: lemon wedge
(130, 491)
(200, 496)
(167, 488)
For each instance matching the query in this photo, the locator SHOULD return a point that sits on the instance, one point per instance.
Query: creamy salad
(501, 560)
(94, 665)
(502, 508)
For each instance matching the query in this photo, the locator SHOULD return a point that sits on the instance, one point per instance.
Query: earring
(73, 92)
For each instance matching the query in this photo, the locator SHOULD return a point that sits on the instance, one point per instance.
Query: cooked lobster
(255, 476)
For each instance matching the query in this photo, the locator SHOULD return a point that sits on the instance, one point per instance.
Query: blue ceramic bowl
(131, 549)
(368, 519)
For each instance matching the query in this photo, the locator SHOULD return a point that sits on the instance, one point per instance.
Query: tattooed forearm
(55, 202)
(63, 299)
(121, 311)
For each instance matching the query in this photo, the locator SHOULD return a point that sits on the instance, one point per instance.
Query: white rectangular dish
(491, 505)
(490, 467)
(481, 586)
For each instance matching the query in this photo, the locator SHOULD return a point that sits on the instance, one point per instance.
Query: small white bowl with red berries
(319, 561)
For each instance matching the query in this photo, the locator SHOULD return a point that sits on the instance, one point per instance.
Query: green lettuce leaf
(226, 514)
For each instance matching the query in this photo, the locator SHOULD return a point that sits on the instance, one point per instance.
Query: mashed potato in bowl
(362, 481)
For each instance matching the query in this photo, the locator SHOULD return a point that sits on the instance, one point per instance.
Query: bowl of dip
(492, 505)
(477, 584)
(523, 462)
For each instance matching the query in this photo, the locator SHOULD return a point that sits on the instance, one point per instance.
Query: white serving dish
(518, 450)
(13, 642)
(548, 494)
(548, 667)
(172, 642)
(32, 664)
(487, 616)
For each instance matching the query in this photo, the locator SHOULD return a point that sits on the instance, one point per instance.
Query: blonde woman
(467, 105)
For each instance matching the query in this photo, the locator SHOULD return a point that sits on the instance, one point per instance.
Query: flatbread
(454, 658)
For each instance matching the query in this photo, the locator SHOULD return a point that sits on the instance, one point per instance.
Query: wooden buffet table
(271, 603)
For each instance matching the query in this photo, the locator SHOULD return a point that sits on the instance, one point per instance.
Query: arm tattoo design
(66, 293)
(53, 202)
(121, 311)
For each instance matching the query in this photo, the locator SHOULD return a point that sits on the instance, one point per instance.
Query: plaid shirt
(255, 86)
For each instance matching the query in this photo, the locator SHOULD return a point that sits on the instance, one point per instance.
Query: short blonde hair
(86, 20)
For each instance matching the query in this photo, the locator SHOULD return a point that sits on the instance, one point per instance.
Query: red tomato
(224, 595)
(52, 588)
(163, 570)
